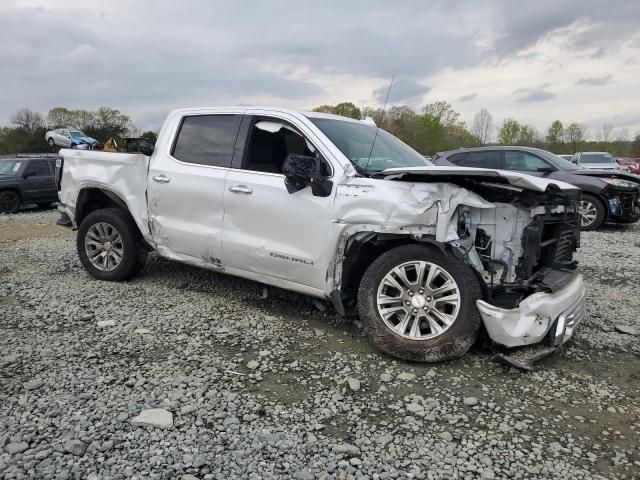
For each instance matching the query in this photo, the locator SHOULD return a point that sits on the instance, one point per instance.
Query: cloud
(535, 94)
(594, 81)
(468, 97)
(302, 54)
(404, 90)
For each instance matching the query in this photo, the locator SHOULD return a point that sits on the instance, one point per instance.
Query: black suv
(606, 195)
(27, 179)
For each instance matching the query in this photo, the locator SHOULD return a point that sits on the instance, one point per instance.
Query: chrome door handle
(161, 179)
(240, 189)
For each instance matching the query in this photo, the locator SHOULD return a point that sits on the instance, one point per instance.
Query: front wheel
(418, 303)
(110, 245)
(592, 212)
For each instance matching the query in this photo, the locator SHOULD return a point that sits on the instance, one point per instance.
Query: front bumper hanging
(536, 316)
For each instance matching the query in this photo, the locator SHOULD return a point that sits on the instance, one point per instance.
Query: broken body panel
(516, 231)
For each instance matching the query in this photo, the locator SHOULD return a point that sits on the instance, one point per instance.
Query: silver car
(597, 161)
(69, 138)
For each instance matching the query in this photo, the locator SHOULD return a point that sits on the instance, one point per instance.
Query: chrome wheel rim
(588, 213)
(418, 300)
(104, 247)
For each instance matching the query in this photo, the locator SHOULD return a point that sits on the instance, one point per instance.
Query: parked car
(633, 164)
(335, 208)
(606, 196)
(597, 161)
(27, 179)
(69, 138)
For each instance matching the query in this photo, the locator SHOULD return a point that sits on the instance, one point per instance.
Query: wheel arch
(361, 249)
(91, 199)
(599, 195)
(13, 189)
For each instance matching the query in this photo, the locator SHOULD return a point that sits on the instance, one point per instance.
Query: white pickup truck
(335, 208)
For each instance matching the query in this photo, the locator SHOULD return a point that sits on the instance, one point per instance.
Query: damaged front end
(519, 233)
(523, 250)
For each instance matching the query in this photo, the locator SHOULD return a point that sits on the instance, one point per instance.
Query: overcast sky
(536, 61)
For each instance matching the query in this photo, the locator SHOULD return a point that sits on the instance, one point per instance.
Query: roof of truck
(306, 113)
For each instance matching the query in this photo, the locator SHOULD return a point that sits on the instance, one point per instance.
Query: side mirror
(301, 171)
(146, 149)
(29, 172)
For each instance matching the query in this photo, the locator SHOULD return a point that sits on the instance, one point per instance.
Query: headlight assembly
(618, 182)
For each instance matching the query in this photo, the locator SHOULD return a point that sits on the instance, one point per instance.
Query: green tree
(635, 146)
(443, 112)
(325, 109)
(555, 135)
(150, 135)
(348, 109)
(509, 132)
(527, 135)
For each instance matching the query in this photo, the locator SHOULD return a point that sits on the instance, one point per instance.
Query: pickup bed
(336, 208)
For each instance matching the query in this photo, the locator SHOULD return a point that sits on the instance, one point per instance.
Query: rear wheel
(110, 245)
(9, 202)
(52, 144)
(417, 303)
(592, 212)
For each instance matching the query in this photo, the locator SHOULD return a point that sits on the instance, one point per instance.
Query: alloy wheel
(104, 247)
(588, 213)
(418, 300)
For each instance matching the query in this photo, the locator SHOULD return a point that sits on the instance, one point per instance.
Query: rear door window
(207, 139)
(41, 168)
(484, 159)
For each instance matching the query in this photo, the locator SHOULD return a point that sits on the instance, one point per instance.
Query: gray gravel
(240, 386)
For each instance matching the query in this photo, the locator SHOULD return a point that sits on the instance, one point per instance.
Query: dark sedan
(27, 179)
(606, 196)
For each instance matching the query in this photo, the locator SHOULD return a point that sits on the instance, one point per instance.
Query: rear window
(596, 158)
(484, 159)
(207, 139)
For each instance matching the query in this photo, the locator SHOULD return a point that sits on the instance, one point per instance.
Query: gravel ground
(239, 386)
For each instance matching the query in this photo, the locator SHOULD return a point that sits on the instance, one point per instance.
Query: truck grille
(548, 242)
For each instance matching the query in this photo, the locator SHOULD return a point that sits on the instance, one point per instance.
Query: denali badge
(291, 259)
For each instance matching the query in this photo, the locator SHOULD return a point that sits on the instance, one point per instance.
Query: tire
(427, 344)
(128, 243)
(9, 201)
(52, 143)
(592, 212)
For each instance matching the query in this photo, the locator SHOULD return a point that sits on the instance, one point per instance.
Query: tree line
(27, 133)
(438, 127)
(434, 128)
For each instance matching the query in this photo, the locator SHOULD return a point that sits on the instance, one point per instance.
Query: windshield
(10, 167)
(355, 140)
(76, 133)
(560, 163)
(596, 158)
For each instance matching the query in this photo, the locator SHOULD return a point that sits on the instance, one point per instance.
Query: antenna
(384, 107)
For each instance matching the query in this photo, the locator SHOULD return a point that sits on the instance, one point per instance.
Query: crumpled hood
(516, 179)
